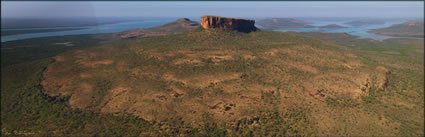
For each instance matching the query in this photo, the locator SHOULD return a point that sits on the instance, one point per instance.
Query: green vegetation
(216, 83)
(20, 51)
(27, 111)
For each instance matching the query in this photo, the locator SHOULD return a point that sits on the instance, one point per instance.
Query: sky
(369, 9)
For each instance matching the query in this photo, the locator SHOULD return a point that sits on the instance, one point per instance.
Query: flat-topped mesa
(242, 25)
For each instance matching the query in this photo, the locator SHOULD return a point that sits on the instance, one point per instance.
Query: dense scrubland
(215, 83)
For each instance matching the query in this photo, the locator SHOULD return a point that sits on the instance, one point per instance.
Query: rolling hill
(221, 82)
(178, 26)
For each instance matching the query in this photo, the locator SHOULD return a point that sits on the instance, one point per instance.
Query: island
(332, 26)
(364, 22)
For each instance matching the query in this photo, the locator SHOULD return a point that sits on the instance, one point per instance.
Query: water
(352, 30)
(148, 23)
(106, 28)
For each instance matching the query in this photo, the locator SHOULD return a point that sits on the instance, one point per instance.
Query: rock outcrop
(383, 78)
(366, 86)
(241, 25)
(380, 84)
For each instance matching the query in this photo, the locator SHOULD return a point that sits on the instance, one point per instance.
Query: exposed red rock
(383, 78)
(242, 25)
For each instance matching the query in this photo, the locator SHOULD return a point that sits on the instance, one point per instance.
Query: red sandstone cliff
(242, 25)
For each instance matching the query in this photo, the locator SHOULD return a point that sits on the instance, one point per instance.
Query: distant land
(34, 28)
(14, 51)
(364, 22)
(407, 29)
(15, 26)
(273, 23)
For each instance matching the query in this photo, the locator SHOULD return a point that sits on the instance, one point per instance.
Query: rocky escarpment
(242, 25)
(381, 82)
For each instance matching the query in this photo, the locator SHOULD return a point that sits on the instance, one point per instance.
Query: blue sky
(195, 9)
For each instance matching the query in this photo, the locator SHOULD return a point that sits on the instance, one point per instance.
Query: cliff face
(242, 25)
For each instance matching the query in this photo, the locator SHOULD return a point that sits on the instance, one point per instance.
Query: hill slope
(407, 29)
(261, 83)
(178, 26)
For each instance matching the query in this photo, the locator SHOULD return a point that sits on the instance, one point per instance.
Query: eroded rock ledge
(242, 25)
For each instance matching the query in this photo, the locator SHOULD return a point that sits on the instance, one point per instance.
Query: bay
(99, 29)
